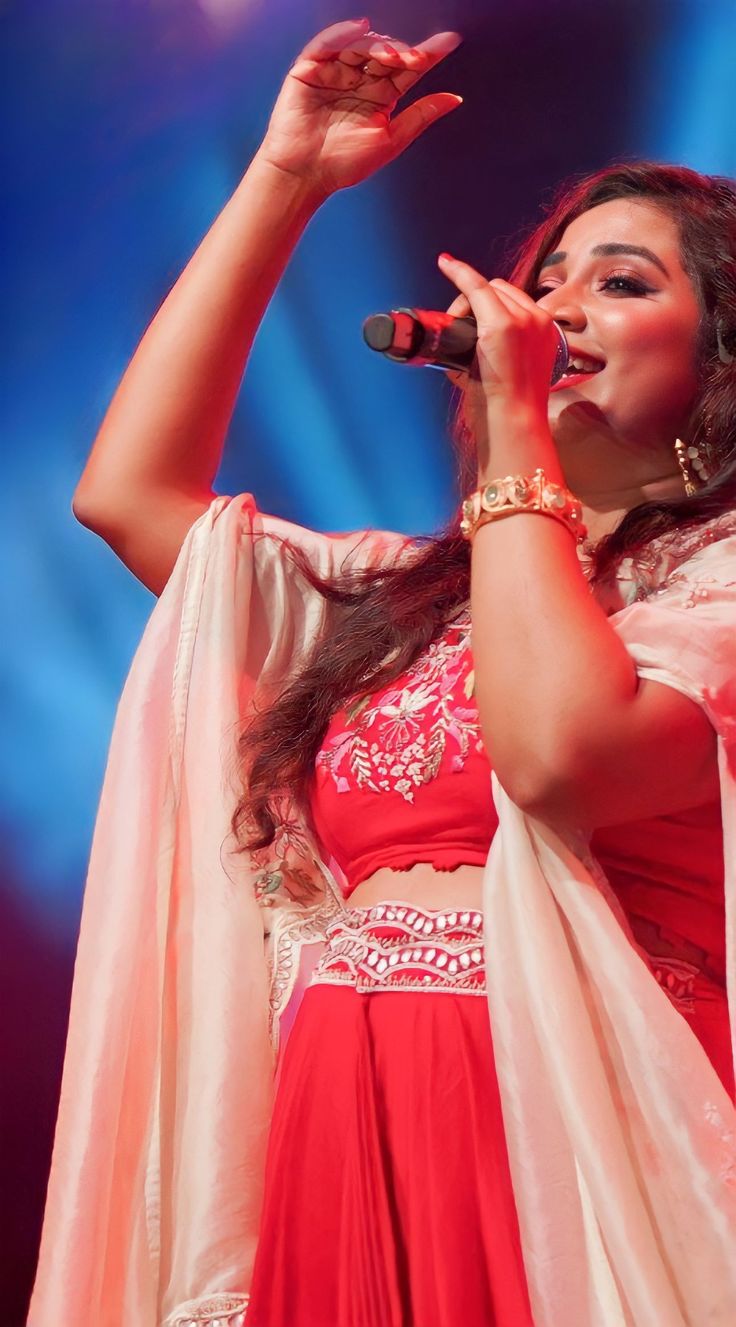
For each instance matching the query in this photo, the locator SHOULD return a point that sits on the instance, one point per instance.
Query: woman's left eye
(618, 282)
(626, 282)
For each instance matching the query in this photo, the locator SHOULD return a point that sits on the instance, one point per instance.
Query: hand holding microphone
(436, 340)
(516, 350)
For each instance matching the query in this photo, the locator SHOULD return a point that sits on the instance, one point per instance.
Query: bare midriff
(422, 884)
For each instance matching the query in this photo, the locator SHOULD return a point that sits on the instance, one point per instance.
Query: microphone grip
(436, 340)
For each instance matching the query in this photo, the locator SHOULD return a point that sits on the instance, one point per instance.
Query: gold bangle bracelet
(514, 493)
(486, 518)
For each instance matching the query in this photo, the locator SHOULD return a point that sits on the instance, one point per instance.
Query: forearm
(548, 666)
(166, 425)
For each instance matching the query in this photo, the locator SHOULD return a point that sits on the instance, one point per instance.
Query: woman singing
(409, 938)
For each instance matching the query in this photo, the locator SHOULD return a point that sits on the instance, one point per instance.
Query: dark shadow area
(35, 986)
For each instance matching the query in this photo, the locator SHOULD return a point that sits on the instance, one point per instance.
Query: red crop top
(402, 777)
(417, 742)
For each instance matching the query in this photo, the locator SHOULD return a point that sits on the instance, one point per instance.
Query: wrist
(300, 189)
(520, 452)
(514, 430)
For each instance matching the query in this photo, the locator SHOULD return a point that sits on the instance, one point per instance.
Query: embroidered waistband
(398, 946)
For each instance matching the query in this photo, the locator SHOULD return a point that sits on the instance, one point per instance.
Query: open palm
(332, 121)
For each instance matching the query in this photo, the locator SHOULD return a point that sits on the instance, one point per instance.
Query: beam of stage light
(348, 438)
(687, 104)
(356, 439)
(228, 12)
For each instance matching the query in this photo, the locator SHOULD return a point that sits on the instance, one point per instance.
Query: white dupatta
(621, 1137)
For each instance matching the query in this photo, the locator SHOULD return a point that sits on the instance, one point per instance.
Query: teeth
(578, 365)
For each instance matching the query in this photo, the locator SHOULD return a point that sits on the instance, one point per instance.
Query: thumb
(419, 116)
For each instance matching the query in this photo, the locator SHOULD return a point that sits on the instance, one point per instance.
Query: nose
(567, 312)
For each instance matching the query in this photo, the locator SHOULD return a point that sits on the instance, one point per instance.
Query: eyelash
(632, 284)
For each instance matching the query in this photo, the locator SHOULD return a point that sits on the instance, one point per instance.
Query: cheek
(653, 358)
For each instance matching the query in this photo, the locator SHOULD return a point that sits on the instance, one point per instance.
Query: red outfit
(667, 873)
(388, 1197)
(387, 1155)
(418, 742)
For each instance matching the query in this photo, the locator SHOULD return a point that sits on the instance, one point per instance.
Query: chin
(576, 416)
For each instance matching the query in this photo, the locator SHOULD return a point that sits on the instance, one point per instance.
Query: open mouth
(579, 369)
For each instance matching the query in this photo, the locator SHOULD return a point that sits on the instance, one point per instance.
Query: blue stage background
(128, 124)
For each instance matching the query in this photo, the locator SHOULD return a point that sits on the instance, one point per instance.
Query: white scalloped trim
(214, 1311)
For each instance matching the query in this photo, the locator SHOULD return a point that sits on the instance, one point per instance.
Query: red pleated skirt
(388, 1199)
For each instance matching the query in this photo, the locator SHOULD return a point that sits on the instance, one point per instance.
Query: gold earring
(687, 456)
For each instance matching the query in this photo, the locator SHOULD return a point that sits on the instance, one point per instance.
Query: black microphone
(436, 340)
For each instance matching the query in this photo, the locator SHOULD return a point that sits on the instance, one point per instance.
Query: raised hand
(331, 123)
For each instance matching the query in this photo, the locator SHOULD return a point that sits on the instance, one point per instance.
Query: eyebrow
(609, 251)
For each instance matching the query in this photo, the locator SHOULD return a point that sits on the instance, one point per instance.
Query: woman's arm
(571, 731)
(151, 470)
(153, 463)
(165, 428)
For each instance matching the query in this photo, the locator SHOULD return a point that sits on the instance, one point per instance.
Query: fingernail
(445, 258)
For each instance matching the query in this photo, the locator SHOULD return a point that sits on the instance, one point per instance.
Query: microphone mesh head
(562, 357)
(379, 331)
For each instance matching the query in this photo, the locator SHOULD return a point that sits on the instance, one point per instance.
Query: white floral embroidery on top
(653, 568)
(285, 868)
(415, 724)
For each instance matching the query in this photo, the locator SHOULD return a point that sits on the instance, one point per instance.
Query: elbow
(548, 775)
(555, 804)
(526, 788)
(93, 515)
(84, 512)
(548, 790)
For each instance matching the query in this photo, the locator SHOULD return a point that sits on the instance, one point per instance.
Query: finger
(345, 55)
(330, 41)
(336, 76)
(513, 293)
(439, 45)
(424, 55)
(407, 126)
(389, 50)
(502, 298)
(460, 307)
(418, 60)
(520, 305)
(384, 56)
(388, 57)
(464, 276)
(376, 68)
(480, 291)
(494, 309)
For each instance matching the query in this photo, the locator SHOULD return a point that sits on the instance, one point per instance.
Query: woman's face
(616, 286)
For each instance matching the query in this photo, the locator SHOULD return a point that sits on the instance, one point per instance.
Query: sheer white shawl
(622, 1139)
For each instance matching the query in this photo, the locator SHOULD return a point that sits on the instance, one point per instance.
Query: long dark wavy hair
(382, 618)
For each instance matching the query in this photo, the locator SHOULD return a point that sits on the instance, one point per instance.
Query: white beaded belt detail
(398, 946)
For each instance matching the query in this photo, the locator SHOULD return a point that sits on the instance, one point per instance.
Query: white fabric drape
(621, 1136)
